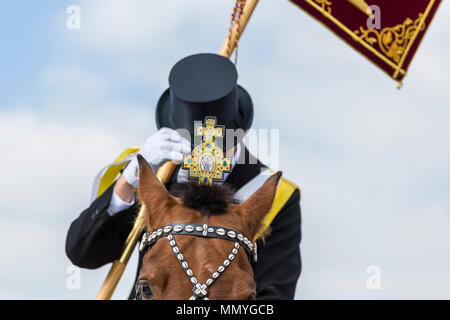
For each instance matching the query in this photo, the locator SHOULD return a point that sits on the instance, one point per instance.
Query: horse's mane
(208, 200)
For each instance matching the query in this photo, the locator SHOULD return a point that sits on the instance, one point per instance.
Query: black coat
(96, 238)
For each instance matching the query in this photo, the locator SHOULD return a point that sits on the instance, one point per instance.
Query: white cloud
(46, 183)
(53, 153)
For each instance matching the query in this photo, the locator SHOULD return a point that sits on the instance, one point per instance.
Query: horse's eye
(144, 290)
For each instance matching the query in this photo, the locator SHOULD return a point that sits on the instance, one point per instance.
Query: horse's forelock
(208, 200)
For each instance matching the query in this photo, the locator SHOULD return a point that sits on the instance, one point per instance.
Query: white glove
(165, 145)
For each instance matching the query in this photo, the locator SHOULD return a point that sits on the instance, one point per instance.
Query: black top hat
(204, 85)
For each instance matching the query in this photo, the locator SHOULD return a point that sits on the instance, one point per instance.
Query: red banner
(389, 37)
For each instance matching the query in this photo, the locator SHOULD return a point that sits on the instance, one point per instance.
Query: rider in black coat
(96, 237)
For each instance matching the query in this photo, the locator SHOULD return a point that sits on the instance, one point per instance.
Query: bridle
(200, 290)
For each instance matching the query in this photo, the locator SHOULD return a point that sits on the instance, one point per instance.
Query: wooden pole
(232, 36)
(165, 172)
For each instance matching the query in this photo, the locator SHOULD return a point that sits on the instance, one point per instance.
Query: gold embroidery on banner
(325, 4)
(398, 68)
(355, 37)
(393, 41)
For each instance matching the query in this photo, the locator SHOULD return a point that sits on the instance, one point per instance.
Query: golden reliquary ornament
(207, 163)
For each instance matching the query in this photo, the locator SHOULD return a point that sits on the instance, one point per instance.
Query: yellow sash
(284, 192)
(114, 169)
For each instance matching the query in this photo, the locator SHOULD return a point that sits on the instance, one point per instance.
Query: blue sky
(35, 36)
(371, 160)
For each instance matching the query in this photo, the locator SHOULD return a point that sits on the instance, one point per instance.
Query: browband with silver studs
(199, 230)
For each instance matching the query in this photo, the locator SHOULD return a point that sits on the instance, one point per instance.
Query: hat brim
(242, 121)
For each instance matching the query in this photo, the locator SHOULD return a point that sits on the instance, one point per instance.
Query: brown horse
(167, 275)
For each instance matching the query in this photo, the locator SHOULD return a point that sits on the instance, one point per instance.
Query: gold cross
(206, 162)
(210, 130)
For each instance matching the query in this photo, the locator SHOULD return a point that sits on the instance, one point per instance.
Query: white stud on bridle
(200, 290)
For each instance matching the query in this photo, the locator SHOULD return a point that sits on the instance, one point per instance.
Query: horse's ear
(151, 192)
(255, 208)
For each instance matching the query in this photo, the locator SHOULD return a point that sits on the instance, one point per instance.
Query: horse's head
(167, 275)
